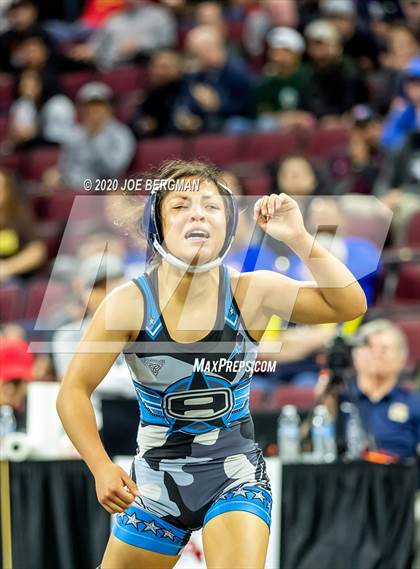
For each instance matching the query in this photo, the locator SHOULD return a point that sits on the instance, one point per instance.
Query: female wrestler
(197, 464)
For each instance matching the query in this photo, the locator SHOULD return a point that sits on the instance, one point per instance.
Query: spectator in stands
(411, 10)
(402, 47)
(404, 116)
(268, 14)
(131, 35)
(154, 114)
(389, 413)
(99, 274)
(336, 84)
(327, 220)
(296, 176)
(21, 251)
(398, 185)
(211, 14)
(23, 21)
(359, 44)
(101, 147)
(94, 15)
(218, 88)
(281, 92)
(363, 162)
(16, 364)
(40, 114)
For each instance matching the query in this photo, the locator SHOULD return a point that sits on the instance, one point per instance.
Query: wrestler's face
(194, 222)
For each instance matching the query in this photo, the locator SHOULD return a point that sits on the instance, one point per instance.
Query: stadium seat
(267, 147)
(408, 287)
(11, 303)
(413, 231)
(58, 206)
(222, 149)
(71, 82)
(256, 398)
(125, 79)
(411, 328)
(37, 161)
(50, 232)
(36, 295)
(6, 92)
(152, 152)
(301, 397)
(324, 142)
(4, 125)
(259, 185)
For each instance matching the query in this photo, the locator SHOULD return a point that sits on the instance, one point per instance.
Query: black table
(336, 516)
(57, 522)
(347, 516)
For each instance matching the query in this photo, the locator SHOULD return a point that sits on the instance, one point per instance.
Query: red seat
(50, 232)
(151, 153)
(71, 82)
(324, 142)
(259, 185)
(267, 147)
(43, 298)
(218, 148)
(6, 92)
(58, 206)
(411, 329)
(413, 231)
(125, 79)
(256, 399)
(408, 287)
(11, 303)
(39, 160)
(4, 127)
(301, 397)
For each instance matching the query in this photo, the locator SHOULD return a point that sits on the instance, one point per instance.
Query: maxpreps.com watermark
(141, 184)
(230, 366)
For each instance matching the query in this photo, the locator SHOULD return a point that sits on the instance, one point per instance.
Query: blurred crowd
(316, 98)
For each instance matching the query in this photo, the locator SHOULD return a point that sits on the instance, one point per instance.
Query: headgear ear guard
(151, 225)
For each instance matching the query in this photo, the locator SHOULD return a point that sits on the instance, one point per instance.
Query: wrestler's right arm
(115, 324)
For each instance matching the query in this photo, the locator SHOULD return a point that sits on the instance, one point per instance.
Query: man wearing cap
(100, 147)
(16, 364)
(336, 84)
(359, 44)
(280, 95)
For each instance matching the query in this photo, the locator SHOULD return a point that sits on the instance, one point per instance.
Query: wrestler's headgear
(152, 229)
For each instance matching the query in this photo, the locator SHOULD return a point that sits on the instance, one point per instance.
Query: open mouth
(197, 236)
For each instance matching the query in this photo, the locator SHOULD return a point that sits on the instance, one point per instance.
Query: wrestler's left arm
(335, 296)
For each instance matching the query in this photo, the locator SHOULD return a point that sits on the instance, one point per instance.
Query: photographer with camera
(388, 414)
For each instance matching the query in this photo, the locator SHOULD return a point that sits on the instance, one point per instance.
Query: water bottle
(7, 420)
(288, 434)
(323, 435)
(355, 434)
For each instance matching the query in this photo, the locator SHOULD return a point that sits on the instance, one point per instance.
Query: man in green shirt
(279, 98)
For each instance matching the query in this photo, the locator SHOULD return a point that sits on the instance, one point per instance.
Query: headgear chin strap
(152, 229)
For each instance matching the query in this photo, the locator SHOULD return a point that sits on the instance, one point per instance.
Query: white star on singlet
(150, 526)
(133, 520)
(168, 533)
(258, 496)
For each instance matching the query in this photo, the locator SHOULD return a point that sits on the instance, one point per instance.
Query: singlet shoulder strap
(231, 312)
(153, 324)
